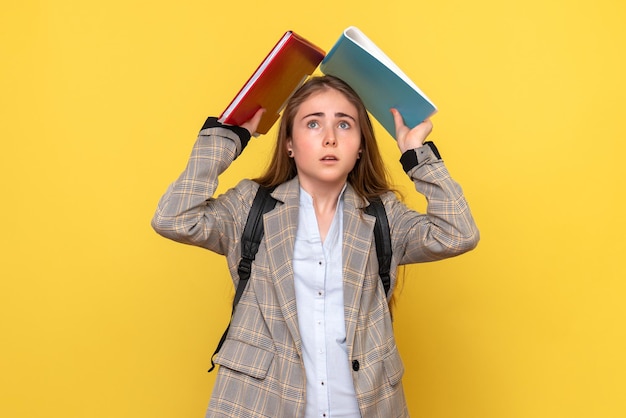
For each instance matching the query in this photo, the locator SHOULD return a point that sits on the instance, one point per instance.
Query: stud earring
(290, 153)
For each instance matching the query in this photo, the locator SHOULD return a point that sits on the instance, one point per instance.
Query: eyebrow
(338, 115)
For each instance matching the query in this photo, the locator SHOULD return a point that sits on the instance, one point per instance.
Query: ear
(289, 144)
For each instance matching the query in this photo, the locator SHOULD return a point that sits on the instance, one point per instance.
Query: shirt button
(355, 365)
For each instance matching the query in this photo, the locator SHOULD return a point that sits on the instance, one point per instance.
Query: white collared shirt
(321, 318)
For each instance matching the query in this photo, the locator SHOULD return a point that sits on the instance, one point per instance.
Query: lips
(329, 158)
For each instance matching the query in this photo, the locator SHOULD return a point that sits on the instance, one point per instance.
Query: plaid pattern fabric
(261, 371)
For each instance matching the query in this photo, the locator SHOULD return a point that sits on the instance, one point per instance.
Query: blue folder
(377, 80)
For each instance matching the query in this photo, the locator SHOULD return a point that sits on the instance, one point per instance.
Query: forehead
(327, 101)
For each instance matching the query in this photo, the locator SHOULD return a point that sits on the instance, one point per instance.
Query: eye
(344, 125)
(312, 124)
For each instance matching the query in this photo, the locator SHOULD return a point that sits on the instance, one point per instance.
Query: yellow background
(101, 102)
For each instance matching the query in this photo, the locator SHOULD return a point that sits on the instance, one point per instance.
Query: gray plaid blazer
(261, 371)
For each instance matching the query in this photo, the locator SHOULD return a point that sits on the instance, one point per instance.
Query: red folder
(284, 69)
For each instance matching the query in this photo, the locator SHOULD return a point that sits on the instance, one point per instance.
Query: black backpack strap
(251, 237)
(250, 241)
(382, 236)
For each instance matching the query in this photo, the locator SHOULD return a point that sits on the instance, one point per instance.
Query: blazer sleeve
(448, 228)
(188, 212)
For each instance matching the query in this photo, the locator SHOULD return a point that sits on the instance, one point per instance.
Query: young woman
(312, 334)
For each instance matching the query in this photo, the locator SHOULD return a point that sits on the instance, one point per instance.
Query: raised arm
(448, 228)
(187, 212)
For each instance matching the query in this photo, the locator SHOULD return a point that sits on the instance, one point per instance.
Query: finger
(256, 119)
(257, 116)
(398, 120)
(427, 126)
(253, 123)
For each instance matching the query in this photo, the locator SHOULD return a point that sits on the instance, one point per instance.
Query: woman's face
(326, 139)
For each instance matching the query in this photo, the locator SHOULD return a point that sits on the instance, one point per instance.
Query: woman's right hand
(253, 123)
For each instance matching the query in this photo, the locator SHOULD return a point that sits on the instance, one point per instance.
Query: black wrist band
(242, 133)
(410, 160)
(433, 148)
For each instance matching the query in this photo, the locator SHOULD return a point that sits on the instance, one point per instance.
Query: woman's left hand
(410, 138)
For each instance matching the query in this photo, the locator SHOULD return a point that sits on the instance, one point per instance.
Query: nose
(329, 140)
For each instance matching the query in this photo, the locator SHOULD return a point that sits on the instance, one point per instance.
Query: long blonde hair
(369, 177)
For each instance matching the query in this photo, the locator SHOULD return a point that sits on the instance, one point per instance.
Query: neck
(325, 204)
(324, 196)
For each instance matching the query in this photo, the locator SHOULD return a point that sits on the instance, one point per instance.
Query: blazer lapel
(358, 238)
(280, 233)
